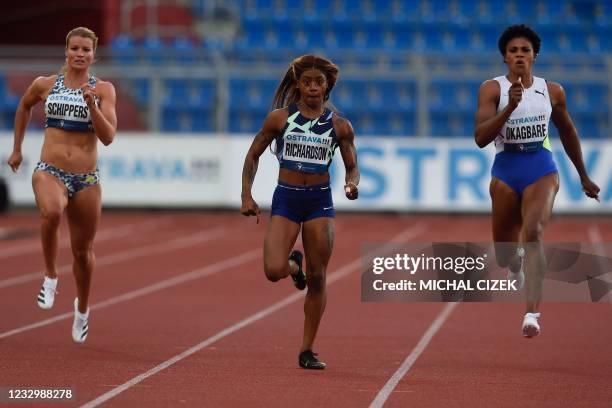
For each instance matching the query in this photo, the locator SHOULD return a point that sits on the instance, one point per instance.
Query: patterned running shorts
(74, 182)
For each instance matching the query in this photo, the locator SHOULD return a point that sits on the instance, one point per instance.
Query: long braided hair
(288, 91)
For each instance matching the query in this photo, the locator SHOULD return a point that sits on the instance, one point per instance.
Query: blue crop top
(307, 145)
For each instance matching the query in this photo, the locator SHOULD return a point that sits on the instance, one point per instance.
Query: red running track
(182, 315)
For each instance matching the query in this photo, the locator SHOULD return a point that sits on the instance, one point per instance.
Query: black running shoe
(309, 360)
(299, 279)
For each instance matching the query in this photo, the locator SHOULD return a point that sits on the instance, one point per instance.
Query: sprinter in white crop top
(514, 111)
(79, 112)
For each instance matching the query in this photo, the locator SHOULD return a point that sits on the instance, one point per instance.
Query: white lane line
(596, 238)
(598, 245)
(344, 271)
(101, 236)
(388, 388)
(145, 250)
(165, 284)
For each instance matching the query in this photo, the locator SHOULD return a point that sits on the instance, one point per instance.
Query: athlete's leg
(279, 240)
(506, 222)
(83, 213)
(51, 198)
(536, 208)
(318, 239)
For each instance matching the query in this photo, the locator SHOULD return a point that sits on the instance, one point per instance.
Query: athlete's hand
(590, 189)
(515, 93)
(249, 207)
(15, 160)
(351, 191)
(89, 95)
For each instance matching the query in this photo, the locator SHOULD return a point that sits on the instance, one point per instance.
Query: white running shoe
(531, 328)
(80, 327)
(519, 276)
(46, 296)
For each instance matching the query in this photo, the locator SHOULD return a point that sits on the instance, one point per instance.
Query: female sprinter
(307, 132)
(79, 111)
(514, 110)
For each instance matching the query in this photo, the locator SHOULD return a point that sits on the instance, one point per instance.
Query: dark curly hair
(519, 30)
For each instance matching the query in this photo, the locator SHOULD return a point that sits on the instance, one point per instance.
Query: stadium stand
(408, 68)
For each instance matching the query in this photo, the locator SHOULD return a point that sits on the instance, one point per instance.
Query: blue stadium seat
(487, 12)
(183, 49)
(174, 120)
(8, 107)
(316, 38)
(245, 122)
(342, 97)
(587, 125)
(250, 40)
(142, 90)
(280, 12)
(586, 97)
(548, 12)
(603, 14)
(569, 15)
(8, 102)
(365, 124)
(154, 49)
(357, 92)
(402, 37)
(451, 125)
(330, 39)
(405, 94)
(454, 40)
(202, 120)
(2, 83)
(252, 93)
(256, 9)
(382, 124)
(452, 96)
(197, 8)
(367, 11)
(338, 12)
(183, 94)
(402, 125)
(123, 50)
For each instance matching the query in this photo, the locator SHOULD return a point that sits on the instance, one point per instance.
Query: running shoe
(309, 361)
(299, 279)
(46, 296)
(531, 328)
(80, 326)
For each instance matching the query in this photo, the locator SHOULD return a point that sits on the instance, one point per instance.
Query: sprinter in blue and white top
(306, 133)
(514, 110)
(79, 111)
(307, 145)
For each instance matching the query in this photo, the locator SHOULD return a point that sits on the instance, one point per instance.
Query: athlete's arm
(34, 94)
(569, 137)
(103, 117)
(272, 127)
(346, 141)
(488, 121)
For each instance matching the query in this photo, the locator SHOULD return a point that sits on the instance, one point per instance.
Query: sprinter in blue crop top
(79, 111)
(307, 133)
(514, 111)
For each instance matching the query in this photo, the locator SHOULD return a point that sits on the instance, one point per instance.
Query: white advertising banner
(174, 170)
